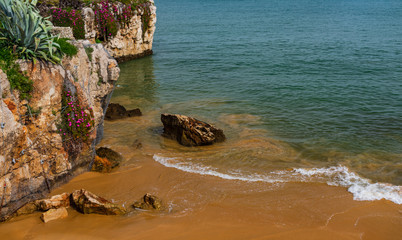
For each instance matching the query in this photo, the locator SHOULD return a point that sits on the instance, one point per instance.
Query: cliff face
(132, 41)
(34, 154)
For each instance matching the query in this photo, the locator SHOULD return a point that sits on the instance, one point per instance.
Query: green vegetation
(18, 80)
(34, 112)
(66, 47)
(27, 32)
(89, 52)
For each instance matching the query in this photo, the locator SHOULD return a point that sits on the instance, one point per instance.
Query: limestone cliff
(34, 155)
(131, 41)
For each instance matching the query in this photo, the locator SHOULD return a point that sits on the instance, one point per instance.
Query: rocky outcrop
(149, 202)
(131, 41)
(54, 214)
(87, 202)
(189, 131)
(34, 155)
(63, 32)
(116, 111)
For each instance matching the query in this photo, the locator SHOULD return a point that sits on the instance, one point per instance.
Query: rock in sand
(54, 214)
(57, 201)
(87, 202)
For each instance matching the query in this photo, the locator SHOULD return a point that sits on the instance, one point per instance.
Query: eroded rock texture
(33, 155)
(87, 202)
(189, 131)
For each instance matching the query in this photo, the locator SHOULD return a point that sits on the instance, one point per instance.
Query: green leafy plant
(27, 32)
(66, 47)
(18, 80)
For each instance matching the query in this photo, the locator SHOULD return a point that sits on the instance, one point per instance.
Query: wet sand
(206, 207)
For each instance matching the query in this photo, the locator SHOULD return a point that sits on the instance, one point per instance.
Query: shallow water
(306, 84)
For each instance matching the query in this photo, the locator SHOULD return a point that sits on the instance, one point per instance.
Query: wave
(361, 188)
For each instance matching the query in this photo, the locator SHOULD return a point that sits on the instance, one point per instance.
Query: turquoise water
(322, 76)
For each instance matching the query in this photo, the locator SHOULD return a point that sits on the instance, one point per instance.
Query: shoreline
(208, 207)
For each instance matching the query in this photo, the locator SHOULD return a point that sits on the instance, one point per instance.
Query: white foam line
(361, 188)
(171, 163)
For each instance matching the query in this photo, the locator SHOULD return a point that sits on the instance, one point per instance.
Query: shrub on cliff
(27, 32)
(18, 80)
(66, 47)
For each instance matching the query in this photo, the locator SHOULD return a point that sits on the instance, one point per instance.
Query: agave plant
(27, 31)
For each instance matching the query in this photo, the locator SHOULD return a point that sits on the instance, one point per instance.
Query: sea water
(306, 90)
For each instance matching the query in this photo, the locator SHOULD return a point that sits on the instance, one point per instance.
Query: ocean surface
(306, 90)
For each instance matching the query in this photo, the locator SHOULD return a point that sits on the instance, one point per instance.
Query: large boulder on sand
(189, 131)
(87, 202)
(116, 111)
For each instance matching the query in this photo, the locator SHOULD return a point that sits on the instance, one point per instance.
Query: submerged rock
(112, 156)
(137, 144)
(54, 214)
(101, 165)
(87, 202)
(116, 111)
(57, 201)
(189, 131)
(149, 202)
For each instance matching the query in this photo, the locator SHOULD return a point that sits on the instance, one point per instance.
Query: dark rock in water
(112, 156)
(189, 131)
(149, 202)
(137, 144)
(101, 165)
(87, 202)
(116, 111)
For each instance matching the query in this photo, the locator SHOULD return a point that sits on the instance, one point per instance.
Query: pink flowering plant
(69, 18)
(77, 121)
(110, 17)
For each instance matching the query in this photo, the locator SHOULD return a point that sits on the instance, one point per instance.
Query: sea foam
(361, 188)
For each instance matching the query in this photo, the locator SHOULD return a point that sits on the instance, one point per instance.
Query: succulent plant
(27, 31)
